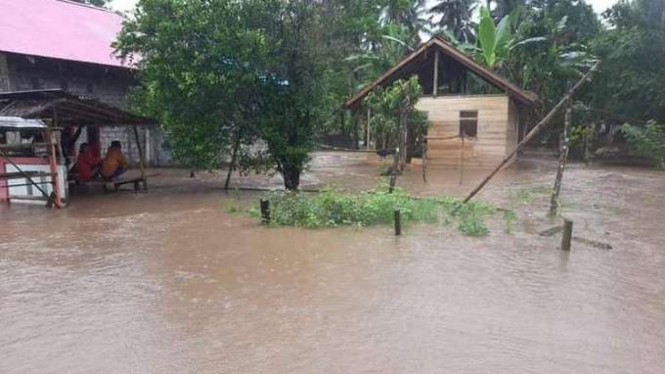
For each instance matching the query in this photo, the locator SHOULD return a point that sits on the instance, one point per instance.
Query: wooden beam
(435, 79)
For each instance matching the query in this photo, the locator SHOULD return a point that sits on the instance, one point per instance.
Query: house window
(468, 123)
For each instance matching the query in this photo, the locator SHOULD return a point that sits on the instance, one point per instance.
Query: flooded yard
(172, 282)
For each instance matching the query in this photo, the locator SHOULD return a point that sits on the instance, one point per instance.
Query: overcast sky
(598, 5)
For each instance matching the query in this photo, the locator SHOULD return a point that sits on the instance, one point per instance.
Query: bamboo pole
(533, 132)
(563, 158)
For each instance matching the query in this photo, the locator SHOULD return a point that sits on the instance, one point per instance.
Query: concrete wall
(496, 131)
(107, 84)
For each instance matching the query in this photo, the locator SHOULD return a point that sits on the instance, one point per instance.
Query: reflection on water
(168, 282)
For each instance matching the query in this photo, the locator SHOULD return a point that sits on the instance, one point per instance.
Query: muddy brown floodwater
(170, 282)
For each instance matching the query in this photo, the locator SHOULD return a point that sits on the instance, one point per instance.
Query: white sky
(598, 5)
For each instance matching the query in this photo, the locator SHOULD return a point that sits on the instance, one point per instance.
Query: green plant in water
(509, 216)
(331, 208)
(648, 142)
(473, 226)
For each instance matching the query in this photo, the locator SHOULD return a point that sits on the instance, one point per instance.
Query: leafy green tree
(220, 72)
(630, 83)
(647, 141)
(200, 80)
(394, 115)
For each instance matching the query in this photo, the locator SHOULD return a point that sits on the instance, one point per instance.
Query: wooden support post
(435, 75)
(563, 158)
(532, 133)
(357, 128)
(265, 211)
(53, 162)
(367, 139)
(461, 157)
(398, 223)
(567, 235)
(425, 160)
(141, 157)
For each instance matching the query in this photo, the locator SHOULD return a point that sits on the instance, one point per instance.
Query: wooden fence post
(567, 235)
(265, 211)
(398, 223)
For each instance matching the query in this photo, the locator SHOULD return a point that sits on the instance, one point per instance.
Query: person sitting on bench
(87, 165)
(114, 164)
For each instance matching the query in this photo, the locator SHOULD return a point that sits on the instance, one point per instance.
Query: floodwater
(171, 282)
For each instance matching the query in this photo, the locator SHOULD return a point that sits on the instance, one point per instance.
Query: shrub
(648, 142)
(330, 208)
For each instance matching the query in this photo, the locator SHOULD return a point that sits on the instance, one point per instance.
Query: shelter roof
(68, 108)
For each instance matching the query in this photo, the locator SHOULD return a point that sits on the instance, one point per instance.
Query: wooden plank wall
(496, 133)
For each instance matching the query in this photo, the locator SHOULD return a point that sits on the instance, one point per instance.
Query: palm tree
(411, 14)
(456, 18)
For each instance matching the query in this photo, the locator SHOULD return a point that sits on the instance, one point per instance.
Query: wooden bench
(136, 182)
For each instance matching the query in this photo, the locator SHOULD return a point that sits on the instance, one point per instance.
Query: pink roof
(59, 29)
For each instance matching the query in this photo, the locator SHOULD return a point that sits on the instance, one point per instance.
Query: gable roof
(436, 42)
(59, 29)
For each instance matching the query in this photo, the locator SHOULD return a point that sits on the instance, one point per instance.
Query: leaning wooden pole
(542, 124)
(563, 158)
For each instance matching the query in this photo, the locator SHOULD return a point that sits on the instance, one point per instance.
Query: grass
(332, 208)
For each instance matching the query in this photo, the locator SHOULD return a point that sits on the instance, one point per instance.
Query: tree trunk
(291, 175)
(232, 166)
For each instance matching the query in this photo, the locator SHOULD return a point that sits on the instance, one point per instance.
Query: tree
(198, 79)
(291, 104)
(633, 74)
(409, 14)
(394, 115)
(456, 18)
(220, 71)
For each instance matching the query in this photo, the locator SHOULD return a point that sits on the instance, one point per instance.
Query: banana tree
(494, 40)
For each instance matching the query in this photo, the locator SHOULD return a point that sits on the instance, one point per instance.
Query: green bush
(330, 208)
(648, 142)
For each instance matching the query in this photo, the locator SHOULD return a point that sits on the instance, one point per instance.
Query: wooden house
(474, 114)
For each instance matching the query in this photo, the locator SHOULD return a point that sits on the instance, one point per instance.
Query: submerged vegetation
(648, 142)
(332, 208)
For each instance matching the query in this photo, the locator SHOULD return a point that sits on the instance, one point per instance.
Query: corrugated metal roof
(20, 123)
(59, 29)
